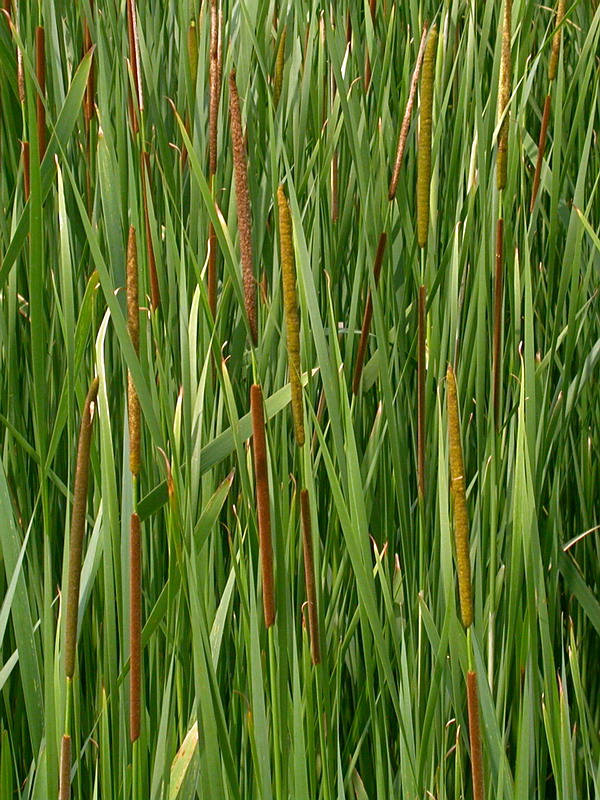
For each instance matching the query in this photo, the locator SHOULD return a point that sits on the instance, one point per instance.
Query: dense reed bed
(310, 560)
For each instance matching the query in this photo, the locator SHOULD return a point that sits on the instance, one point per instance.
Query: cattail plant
(133, 326)
(421, 377)
(240, 169)
(213, 113)
(407, 115)
(279, 64)
(40, 73)
(461, 517)
(504, 97)
(215, 83)
(424, 148)
(552, 67)
(261, 478)
(368, 315)
(309, 576)
(80, 492)
(135, 564)
(292, 320)
(461, 535)
(475, 735)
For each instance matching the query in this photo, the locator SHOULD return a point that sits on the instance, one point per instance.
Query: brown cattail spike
(475, 735)
(40, 72)
(65, 768)
(497, 343)
(504, 97)
(366, 325)
(215, 84)
(553, 64)
(425, 124)
(133, 326)
(261, 478)
(421, 376)
(279, 64)
(242, 193)
(461, 517)
(309, 575)
(292, 320)
(135, 627)
(78, 528)
(407, 115)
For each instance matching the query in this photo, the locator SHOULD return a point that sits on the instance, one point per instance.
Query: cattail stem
(78, 528)
(475, 735)
(421, 376)
(212, 270)
(504, 97)
(309, 576)
(154, 288)
(541, 149)
(368, 315)
(40, 72)
(461, 517)
(279, 64)
(261, 478)
(240, 169)
(407, 115)
(26, 179)
(135, 626)
(497, 341)
(133, 326)
(134, 59)
(424, 149)
(292, 320)
(335, 205)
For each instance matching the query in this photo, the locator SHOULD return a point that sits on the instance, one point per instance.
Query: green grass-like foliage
(108, 121)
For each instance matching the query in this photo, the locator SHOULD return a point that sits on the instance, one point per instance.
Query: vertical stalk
(40, 72)
(421, 377)
(368, 315)
(309, 576)
(261, 478)
(497, 341)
